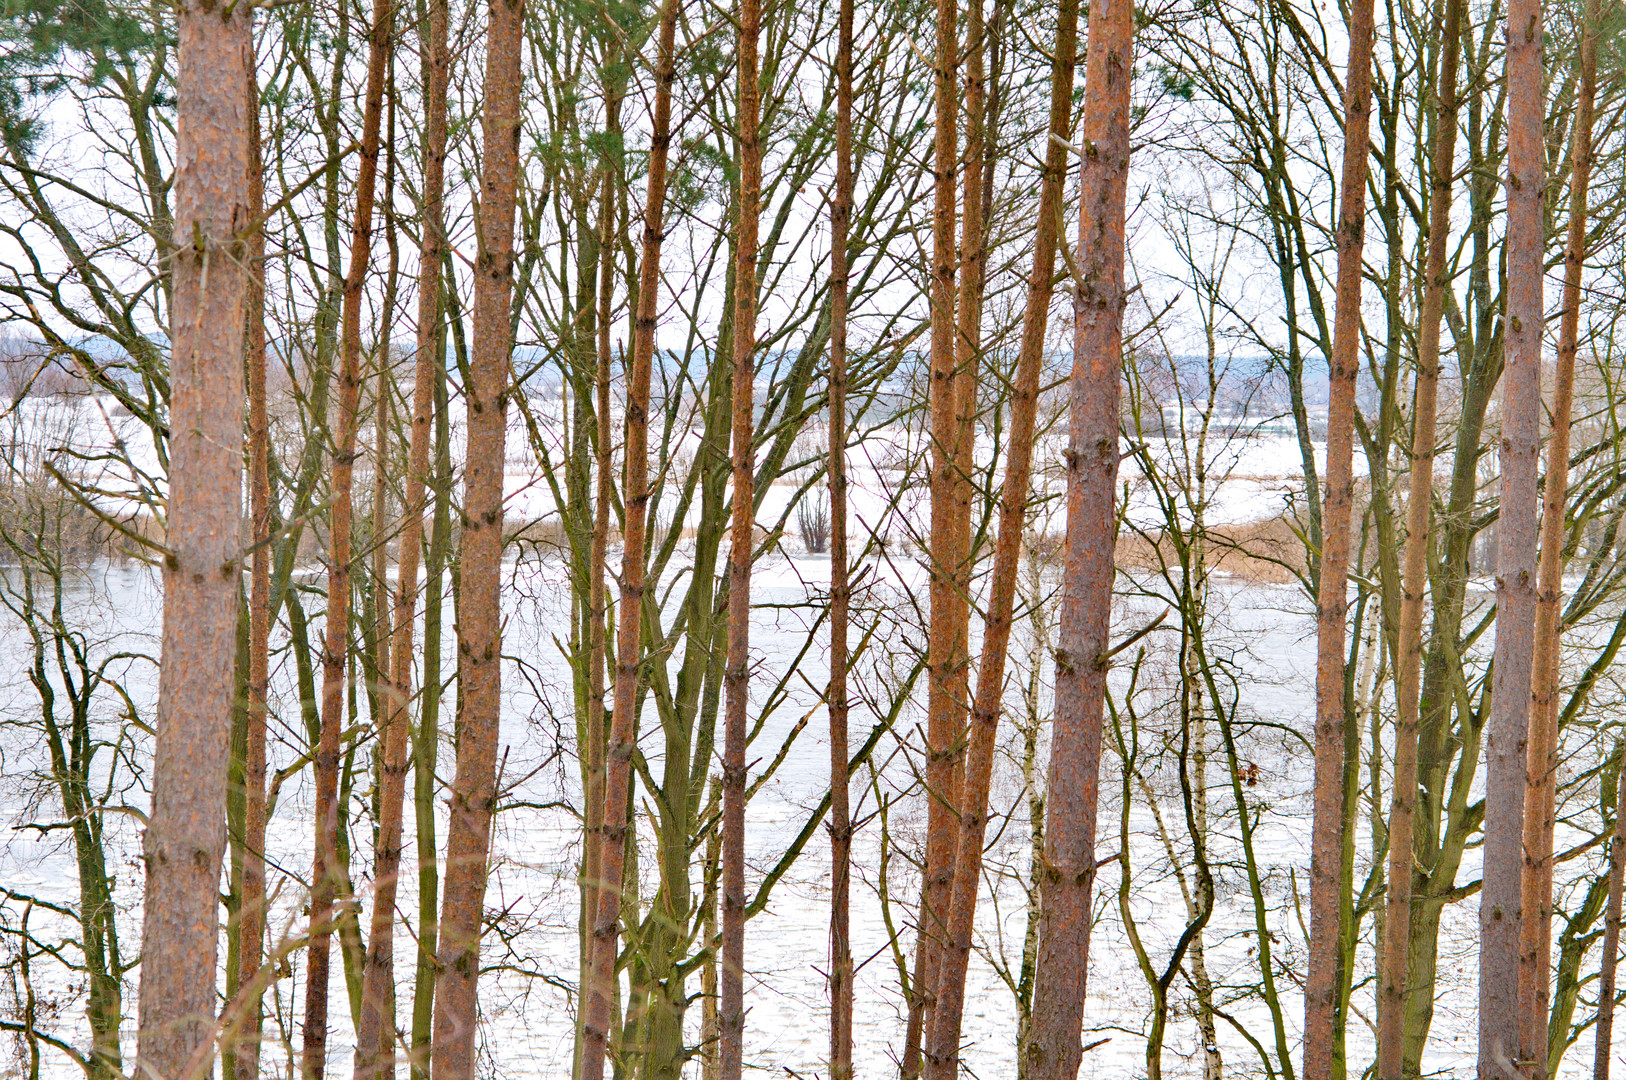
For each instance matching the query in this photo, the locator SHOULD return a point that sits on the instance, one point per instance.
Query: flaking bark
(1501, 913)
(479, 639)
(1073, 781)
(186, 831)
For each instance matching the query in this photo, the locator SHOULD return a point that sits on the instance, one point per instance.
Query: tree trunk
(426, 738)
(598, 593)
(737, 678)
(1414, 575)
(942, 1042)
(944, 712)
(186, 832)
(620, 742)
(1322, 995)
(327, 873)
(428, 410)
(479, 645)
(375, 1034)
(1501, 913)
(1604, 1033)
(1073, 781)
(1535, 967)
(841, 827)
(251, 915)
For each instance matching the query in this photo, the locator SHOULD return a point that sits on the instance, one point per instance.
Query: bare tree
(429, 393)
(1604, 1034)
(1073, 780)
(1403, 799)
(942, 1042)
(186, 833)
(619, 744)
(375, 1027)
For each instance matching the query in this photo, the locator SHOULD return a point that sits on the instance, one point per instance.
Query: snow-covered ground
(528, 1005)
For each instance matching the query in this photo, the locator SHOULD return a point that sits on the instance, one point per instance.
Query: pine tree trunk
(1323, 1015)
(619, 743)
(736, 679)
(1535, 969)
(1414, 574)
(1073, 780)
(1501, 914)
(942, 1041)
(327, 873)
(479, 645)
(841, 828)
(375, 1030)
(186, 831)
(598, 594)
(944, 712)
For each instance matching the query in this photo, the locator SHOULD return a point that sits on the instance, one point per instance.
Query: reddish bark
(945, 712)
(737, 674)
(186, 831)
(1322, 1005)
(479, 645)
(375, 1029)
(619, 747)
(598, 594)
(1414, 575)
(1501, 914)
(1073, 780)
(327, 875)
(942, 1043)
(841, 209)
